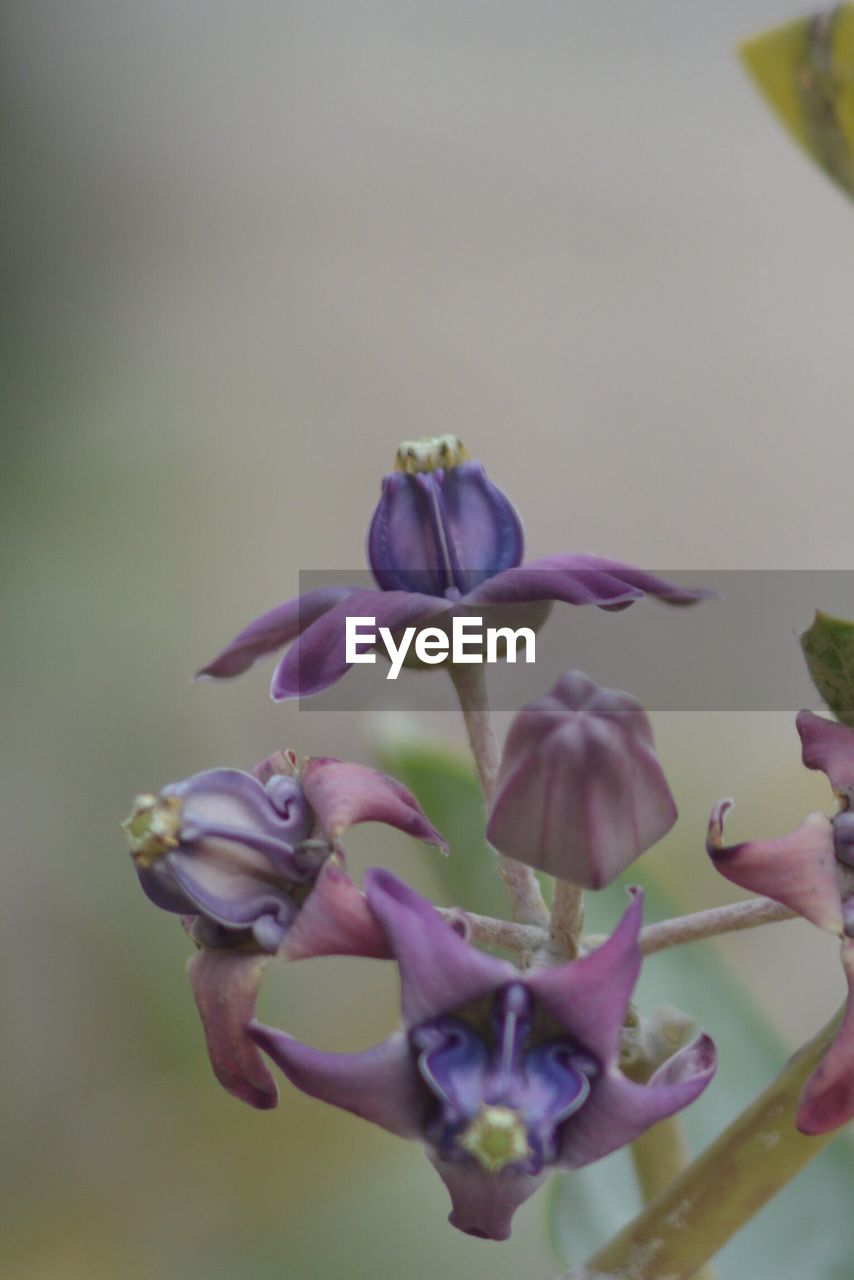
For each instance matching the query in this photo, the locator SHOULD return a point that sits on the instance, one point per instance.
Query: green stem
(522, 885)
(692, 1218)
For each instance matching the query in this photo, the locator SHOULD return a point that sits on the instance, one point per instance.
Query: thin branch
(708, 924)
(567, 919)
(522, 885)
(498, 933)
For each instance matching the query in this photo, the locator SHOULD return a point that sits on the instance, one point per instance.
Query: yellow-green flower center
(496, 1137)
(414, 456)
(153, 827)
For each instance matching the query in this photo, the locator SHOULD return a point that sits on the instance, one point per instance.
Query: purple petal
(441, 531)
(224, 884)
(618, 1110)
(273, 630)
(798, 870)
(335, 920)
(230, 800)
(343, 794)
(439, 972)
(581, 579)
(380, 1085)
(318, 658)
(828, 746)
(483, 1204)
(483, 529)
(827, 1101)
(580, 792)
(588, 997)
(225, 985)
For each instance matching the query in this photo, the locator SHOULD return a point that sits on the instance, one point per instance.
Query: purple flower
(808, 871)
(252, 865)
(580, 791)
(502, 1075)
(443, 541)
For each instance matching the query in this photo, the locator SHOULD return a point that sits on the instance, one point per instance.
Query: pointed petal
(318, 659)
(827, 1101)
(343, 794)
(225, 985)
(798, 870)
(618, 1110)
(380, 1085)
(588, 997)
(581, 579)
(828, 746)
(273, 630)
(483, 1204)
(335, 920)
(439, 972)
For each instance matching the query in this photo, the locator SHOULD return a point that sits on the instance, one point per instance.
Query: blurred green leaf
(828, 647)
(805, 70)
(448, 791)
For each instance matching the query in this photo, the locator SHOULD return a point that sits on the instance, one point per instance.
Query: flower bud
(441, 527)
(580, 791)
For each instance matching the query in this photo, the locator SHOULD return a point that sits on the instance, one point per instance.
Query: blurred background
(248, 247)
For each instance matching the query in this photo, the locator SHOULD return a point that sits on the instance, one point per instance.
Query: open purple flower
(502, 1075)
(443, 540)
(580, 791)
(811, 870)
(252, 865)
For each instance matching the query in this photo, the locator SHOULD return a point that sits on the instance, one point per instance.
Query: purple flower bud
(502, 1075)
(441, 526)
(580, 791)
(253, 868)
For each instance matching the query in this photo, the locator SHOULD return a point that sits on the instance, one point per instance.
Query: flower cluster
(502, 1071)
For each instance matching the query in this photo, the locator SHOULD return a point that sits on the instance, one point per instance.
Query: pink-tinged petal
(439, 972)
(335, 920)
(798, 870)
(580, 580)
(380, 1085)
(483, 1204)
(828, 746)
(343, 794)
(588, 997)
(272, 631)
(827, 1101)
(618, 1110)
(581, 793)
(225, 985)
(318, 659)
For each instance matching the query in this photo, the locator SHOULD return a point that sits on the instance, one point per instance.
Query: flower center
(431, 454)
(497, 1136)
(153, 827)
(500, 1096)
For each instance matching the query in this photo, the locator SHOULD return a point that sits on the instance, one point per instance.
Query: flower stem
(690, 1220)
(707, 924)
(567, 919)
(499, 933)
(522, 885)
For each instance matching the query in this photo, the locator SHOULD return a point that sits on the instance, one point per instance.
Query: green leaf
(805, 71)
(828, 647)
(448, 791)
